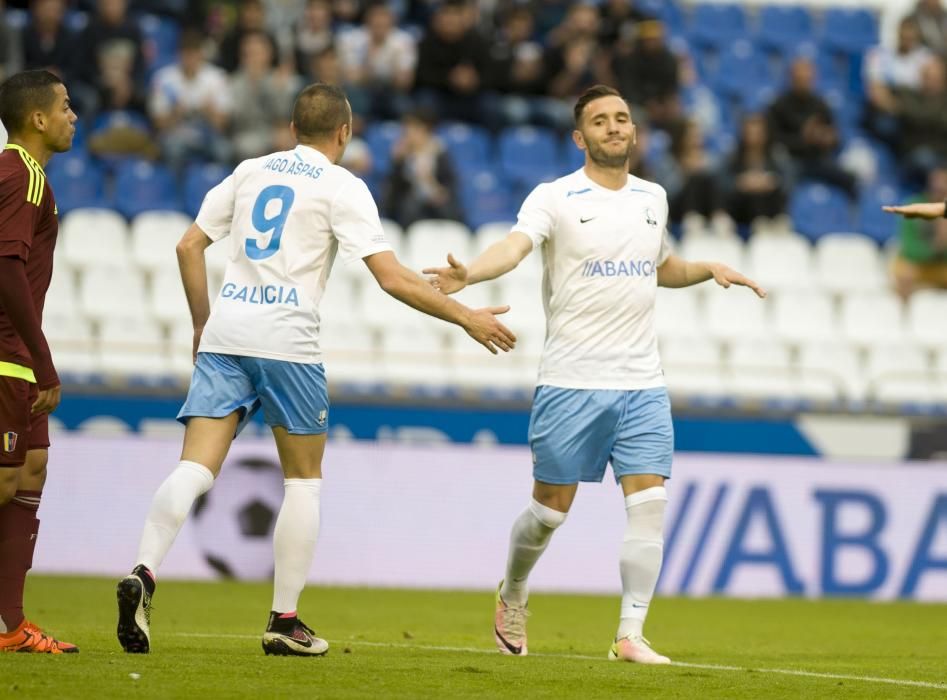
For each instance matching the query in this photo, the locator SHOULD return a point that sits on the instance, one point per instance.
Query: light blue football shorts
(293, 395)
(575, 433)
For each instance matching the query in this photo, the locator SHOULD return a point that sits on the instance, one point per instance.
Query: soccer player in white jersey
(284, 216)
(600, 393)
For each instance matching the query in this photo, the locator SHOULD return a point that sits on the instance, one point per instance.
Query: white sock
(169, 508)
(294, 541)
(641, 555)
(531, 533)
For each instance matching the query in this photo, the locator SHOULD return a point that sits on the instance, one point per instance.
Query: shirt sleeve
(17, 217)
(667, 244)
(355, 223)
(537, 215)
(216, 214)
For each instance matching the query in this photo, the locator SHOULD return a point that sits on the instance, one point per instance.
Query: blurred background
(778, 130)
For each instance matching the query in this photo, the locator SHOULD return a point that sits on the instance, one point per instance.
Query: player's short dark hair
(319, 111)
(24, 93)
(592, 93)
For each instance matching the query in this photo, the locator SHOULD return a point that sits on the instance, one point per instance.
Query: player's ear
(634, 135)
(578, 139)
(38, 121)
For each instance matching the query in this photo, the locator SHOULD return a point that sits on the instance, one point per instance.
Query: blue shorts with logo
(293, 395)
(575, 433)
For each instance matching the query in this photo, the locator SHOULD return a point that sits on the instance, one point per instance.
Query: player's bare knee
(550, 517)
(558, 497)
(33, 473)
(632, 483)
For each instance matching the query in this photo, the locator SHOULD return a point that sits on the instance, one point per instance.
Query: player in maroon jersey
(35, 109)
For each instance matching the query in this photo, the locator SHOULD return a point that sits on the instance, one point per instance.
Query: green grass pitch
(435, 644)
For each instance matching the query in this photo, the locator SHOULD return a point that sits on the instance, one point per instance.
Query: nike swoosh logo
(584, 221)
(513, 649)
(635, 605)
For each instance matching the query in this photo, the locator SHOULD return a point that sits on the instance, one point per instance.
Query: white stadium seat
(677, 312)
(780, 262)
(869, 319)
(735, 313)
(761, 369)
(112, 293)
(927, 317)
(180, 344)
(71, 342)
(394, 235)
(95, 238)
(415, 356)
(849, 263)
(166, 300)
(217, 255)
(133, 346)
(428, 242)
(488, 234)
(831, 364)
(350, 354)
(799, 317)
(899, 374)
(693, 367)
(61, 295)
(725, 249)
(154, 235)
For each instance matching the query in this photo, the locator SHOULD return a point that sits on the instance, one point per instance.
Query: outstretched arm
(676, 272)
(921, 210)
(407, 287)
(497, 260)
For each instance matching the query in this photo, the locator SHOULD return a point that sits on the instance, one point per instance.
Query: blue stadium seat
(717, 25)
(872, 221)
(781, 28)
(469, 145)
(381, 138)
(528, 154)
(144, 186)
(740, 71)
(77, 181)
(486, 198)
(160, 41)
(199, 178)
(818, 209)
(849, 30)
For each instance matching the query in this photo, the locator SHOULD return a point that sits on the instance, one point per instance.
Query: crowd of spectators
(224, 94)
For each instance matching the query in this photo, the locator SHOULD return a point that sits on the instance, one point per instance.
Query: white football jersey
(286, 214)
(601, 250)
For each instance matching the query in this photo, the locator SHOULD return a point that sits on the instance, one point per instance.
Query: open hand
(921, 210)
(484, 327)
(448, 279)
(724, 276)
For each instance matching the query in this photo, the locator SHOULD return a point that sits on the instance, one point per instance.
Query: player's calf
(134, 594)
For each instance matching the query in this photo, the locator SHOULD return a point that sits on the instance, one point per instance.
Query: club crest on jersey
(321, 418)
(9, 441)
(650, 217)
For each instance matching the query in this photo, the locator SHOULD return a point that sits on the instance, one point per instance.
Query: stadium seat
(381, 138)
(573, 157)
(416, 356)
(61, 295)
(529, 155)
(180, 350)
(741, 69)
(486, 198)
(160, 41)
(677, 313)
(800, 317)
(394, 234)
(717, 24)
(77, 181)
(783, 27)
(488, 234)
(468, 145)
(872, 319)
(849, 262)
(830, 371)
(110, 292)
(144, 186)
(133, 346)
(70, 341)
(379, 311)
(217, 255)
(350, 354)
(95, 237)
(900, 374)
(761, 370)
(780, 262)
(818, 209)
(872, 221)
(926, 316)
(428, 242)
(735, 313)
(166, 300)
(522, 293)
(693, 368)
(849, 30)
(198, 180)
(725, 249)
(154, 235)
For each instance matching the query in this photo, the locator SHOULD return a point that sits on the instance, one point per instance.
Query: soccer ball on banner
(234, 521)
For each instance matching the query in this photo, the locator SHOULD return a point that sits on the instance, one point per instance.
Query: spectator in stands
(801, 122)
(46, 41)
(619, 18)
(756, 184)
(325, 67)
(575, 60)
(421, 183)
(11, 50)
(696, 99)
(887, 71)
(251, 18)
(190, 106)
(646, 72)
(265, 96)
(923, 121)
(689, 175)
(931, 18)
(922, 252)
(452, 64)
(313, 32)
(380, 59)
(518, 73)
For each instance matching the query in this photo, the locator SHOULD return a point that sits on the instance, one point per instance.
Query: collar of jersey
(26, 155)
(592, 183)
(311, 149)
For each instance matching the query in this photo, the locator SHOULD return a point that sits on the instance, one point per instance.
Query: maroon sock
(18, 529)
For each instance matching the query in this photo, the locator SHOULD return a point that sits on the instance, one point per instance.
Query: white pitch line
(581, 657)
